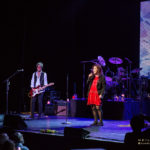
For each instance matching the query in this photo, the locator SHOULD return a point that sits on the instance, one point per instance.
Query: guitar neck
(46, 86)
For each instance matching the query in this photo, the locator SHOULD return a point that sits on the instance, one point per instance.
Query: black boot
(95, 117)
(100, 123)
(100, 117)
(94, 123)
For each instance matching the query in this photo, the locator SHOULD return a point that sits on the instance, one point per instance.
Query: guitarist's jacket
(41, 81)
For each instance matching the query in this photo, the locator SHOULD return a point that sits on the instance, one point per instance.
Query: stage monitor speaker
(14, 122)
(79, 133)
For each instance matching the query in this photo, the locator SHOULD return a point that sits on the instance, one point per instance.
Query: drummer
(121, 72)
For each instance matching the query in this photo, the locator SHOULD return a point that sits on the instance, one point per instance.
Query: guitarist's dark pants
(40, 104)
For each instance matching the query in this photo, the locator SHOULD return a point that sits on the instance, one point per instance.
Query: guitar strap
(42, 79)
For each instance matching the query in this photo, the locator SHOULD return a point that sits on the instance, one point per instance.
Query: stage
(112, 132)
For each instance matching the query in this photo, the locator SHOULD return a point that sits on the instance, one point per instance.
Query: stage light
(48, 102)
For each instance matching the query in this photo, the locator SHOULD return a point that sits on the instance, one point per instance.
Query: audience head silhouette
(18, 138)
(137, 123)
(9, 145)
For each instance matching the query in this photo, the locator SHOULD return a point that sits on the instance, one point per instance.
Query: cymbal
(136, 70)
(101, 61)
(115, 60)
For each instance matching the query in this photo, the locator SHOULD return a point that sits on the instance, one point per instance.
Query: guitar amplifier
(61, 108)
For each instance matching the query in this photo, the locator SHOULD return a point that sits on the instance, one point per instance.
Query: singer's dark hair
(99, 68)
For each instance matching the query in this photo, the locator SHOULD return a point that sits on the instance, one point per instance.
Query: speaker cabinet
(14, 122)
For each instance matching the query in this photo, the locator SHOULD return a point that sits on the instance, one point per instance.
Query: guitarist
(39, 78)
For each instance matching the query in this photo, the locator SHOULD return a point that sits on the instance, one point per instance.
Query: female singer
(96, 89)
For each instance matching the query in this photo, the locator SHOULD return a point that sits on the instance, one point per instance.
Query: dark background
(61, 34)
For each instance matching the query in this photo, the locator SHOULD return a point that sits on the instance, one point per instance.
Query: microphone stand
(67, 94)
(130, 80)
(83, 84)
(127, 69)
(130, 76)
(7, 81)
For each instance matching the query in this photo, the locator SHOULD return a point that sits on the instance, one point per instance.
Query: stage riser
(111, 110)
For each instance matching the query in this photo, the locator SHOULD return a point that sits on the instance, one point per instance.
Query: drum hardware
(122, 79)
(108, 79)
(116, 61)
(129, 75)
(136, 70)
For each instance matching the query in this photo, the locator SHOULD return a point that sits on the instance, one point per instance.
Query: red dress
(93, 97)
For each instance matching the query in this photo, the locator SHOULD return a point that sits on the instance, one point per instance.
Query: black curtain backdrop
(61, 34)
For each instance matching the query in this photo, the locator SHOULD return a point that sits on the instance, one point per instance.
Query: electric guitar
(35, 91)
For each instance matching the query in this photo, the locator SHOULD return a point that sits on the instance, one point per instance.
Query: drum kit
(124, 82)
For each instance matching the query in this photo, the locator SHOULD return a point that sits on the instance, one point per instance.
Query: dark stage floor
(112, 131)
